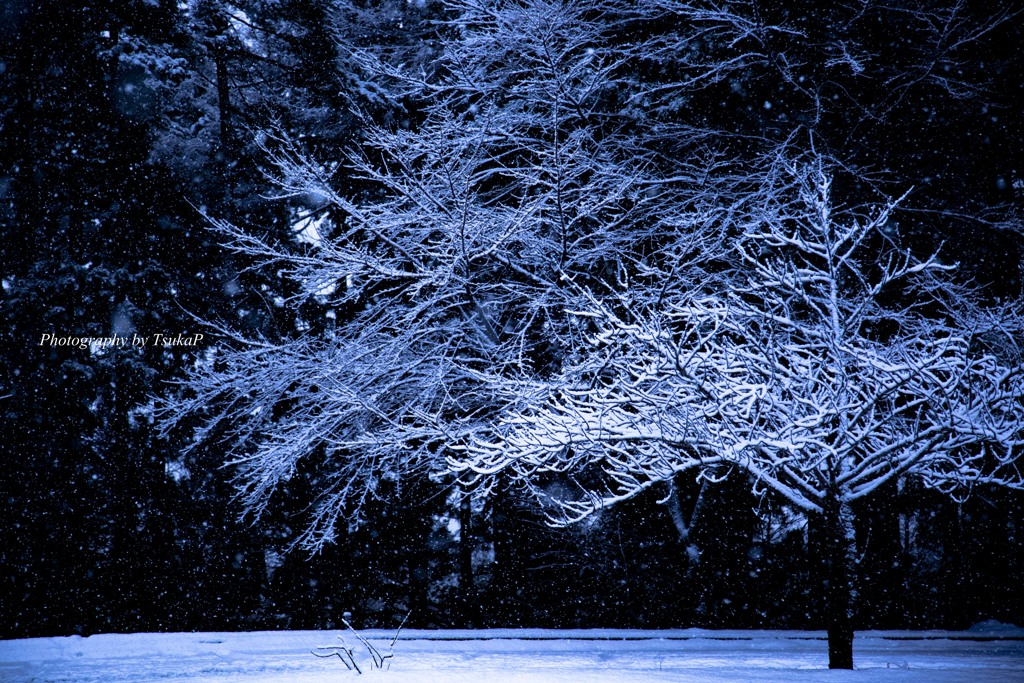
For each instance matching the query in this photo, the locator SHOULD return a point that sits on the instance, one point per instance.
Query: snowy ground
(988, 653)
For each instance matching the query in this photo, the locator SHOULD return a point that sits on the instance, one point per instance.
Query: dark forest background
(123, 123)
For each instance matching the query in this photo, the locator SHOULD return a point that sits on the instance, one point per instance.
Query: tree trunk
(466, 583)
(218, 49)
(507, 568)
(840, 552)
(223, 103)
(225, 150)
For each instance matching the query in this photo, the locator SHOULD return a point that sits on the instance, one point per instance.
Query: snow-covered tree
(550, 265)
(524, 187)
(833, 363)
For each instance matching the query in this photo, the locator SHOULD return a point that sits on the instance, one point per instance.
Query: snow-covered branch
(816, 372)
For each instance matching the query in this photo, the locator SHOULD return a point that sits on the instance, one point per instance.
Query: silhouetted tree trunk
(840, 551)
(466, 584)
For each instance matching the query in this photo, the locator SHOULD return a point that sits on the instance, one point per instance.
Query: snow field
(985, 655)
